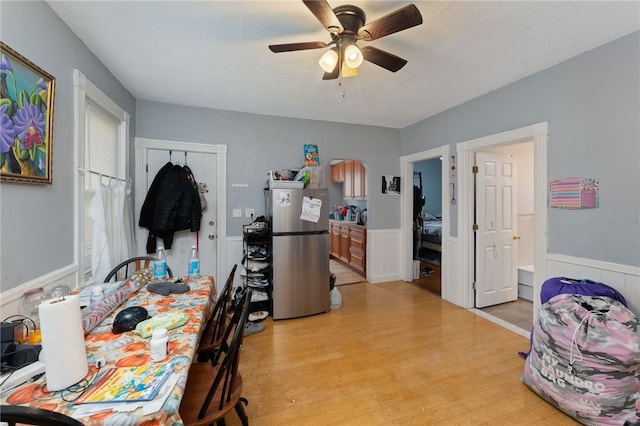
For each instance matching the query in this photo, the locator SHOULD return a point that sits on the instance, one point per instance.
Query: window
(101, 133)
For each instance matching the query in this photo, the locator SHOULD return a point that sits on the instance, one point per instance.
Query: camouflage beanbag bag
(585, 359)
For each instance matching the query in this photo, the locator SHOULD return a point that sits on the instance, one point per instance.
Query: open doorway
(433, 248)
(348, 189)
(533, 221)
(515, 307)
(427, 224)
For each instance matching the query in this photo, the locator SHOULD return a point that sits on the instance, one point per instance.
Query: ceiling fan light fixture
(329, 60)
(353, 56)
(346, 71)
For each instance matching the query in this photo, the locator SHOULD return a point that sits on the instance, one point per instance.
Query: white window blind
(102, 156)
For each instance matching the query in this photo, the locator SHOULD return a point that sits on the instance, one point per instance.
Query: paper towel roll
(65, 355)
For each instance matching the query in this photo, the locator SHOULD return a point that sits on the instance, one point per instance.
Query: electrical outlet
(237, 212)
(248, 212)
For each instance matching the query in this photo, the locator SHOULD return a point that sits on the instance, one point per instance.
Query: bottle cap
(159, 333)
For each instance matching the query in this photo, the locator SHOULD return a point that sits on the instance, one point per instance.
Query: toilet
(525, 282)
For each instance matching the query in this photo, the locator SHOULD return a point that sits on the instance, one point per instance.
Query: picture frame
(27, 94)
(391, 184)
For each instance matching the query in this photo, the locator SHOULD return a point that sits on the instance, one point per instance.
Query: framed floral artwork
(26, 119)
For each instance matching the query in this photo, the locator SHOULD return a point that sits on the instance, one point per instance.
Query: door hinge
(474, 285)
(475, 227)
(474, 169)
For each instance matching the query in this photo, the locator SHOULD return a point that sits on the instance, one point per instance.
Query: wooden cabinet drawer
(335, 240)
(357, 260)
(344, 243)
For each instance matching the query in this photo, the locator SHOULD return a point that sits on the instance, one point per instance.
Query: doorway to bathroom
(501, 270)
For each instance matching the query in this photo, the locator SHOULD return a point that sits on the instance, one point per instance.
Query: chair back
(129, 266)
(228, 371)
(14, 414)
(214, 329)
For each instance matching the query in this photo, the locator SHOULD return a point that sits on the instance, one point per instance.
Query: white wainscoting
(451, 288)
(383, 255)
(624, 278)
(11, 300)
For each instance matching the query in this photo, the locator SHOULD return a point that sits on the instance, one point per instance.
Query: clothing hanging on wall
(110, 211)
(172, 204)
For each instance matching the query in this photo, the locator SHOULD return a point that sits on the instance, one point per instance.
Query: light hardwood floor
(518, 313)
(394, 354)
(344, 274)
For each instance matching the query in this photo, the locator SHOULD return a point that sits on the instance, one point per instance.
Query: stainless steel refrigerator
(300, 252)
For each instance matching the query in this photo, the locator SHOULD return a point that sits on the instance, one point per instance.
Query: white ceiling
(214, 54)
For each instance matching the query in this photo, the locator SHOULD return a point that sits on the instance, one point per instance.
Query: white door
(496, 238)
(203, 166)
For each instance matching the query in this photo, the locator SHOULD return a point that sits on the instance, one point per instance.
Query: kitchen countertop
(347, 222)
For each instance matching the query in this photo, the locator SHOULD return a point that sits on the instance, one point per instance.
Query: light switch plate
(237, 212)
(248, 212)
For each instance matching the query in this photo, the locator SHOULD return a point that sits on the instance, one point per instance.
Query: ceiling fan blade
(383, 59)
(333, 74)
(325, 14)
(407, 17)
(290, 47)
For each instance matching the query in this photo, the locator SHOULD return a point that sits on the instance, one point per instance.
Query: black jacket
(172, 204)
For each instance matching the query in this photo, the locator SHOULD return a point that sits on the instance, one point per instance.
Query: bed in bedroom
(432, 233)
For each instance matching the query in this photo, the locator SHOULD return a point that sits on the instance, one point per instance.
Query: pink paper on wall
(574, 193)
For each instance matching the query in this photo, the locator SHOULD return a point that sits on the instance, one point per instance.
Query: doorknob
(212, 236)
(516, 237)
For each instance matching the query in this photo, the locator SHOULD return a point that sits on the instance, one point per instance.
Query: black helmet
(128, 318)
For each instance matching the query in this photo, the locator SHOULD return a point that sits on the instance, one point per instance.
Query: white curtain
(110, 210)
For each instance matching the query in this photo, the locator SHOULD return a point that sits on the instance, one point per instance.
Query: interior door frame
(406, 211)
(142, 145)
(538, 133)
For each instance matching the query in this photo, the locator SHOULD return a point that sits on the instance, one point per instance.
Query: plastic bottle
(159, 344)
(335, 298)
(194, 264)
(97, 295)
(160, 265)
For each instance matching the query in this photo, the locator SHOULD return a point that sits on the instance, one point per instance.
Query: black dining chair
(213, 389)
(211, 340)
(129, 266)
(14, 414)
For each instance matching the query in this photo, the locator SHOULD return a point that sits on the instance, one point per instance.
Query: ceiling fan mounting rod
(351, 17)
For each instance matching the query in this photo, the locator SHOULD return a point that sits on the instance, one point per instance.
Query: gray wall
(36, 224)
(258, 143)
(431, 184)
(592, 104)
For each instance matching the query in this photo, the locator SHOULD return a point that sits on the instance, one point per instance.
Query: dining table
(129, 349)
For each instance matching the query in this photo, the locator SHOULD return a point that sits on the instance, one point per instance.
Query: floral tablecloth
(130, 349)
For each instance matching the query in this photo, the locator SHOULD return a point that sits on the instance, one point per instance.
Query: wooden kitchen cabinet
(349, 245)
(335, 240)
(355, 180)
(344, 243)
(358, 248)
(359, 181)
(337, 173)
(347, 189)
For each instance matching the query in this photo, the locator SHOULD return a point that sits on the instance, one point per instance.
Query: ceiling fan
(347, 26)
